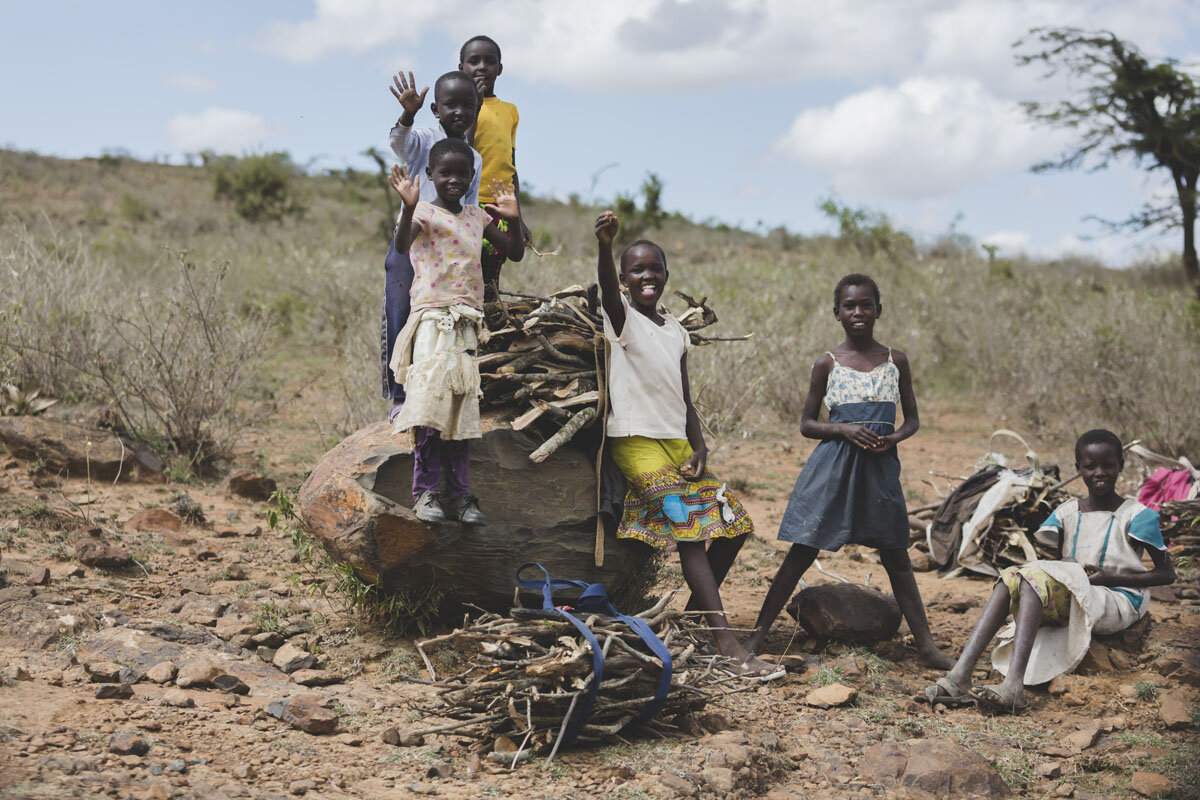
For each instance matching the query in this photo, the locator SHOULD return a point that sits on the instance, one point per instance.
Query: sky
(750, 111)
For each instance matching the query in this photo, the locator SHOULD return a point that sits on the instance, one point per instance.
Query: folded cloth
(434, 358)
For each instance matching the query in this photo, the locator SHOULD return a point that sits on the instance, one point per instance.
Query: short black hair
(644, 243)
(1100, 436)
(856, 279)
(462, 51)
(448, 146)
(452, 77)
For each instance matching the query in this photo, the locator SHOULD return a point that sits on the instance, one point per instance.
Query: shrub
(133, 208)
(261, 187)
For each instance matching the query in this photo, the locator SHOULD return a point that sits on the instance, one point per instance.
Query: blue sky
(749, 110)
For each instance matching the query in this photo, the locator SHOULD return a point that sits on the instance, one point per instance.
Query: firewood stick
(559, 354)
(564, 435)
(529, 377)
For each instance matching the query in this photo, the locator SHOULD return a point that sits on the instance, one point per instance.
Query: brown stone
(97, 553)
(38, 576)
(358, 500)
(178, 539)
(921, 561)
(153, 519)
(1151, 784)
(835, 694)
(250, 485)
(177, 698)
(946, 769)
(883, 763)
(304, 712)
(315, 677)
(1175, 711)
(103, 671)
(128, 744)
(78, 450)
(196, 673)
(1096, 660)
(114, 691)
(401, 738)
(846, 612)
(1082, 739)
(290, 658)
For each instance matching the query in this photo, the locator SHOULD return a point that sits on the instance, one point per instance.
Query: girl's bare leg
(908, 597)
(995, 612)
(797, 561)
(700, 579)
(721, 553)
(1028, 618)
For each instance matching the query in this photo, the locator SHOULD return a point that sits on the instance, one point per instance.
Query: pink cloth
(1164, 486)
(445, 256)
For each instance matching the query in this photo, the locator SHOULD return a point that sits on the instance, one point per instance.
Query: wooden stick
(539, 376)
(564, 435)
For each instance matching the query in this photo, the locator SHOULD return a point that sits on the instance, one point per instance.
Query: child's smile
(451, 175)
(455, 106)
(1099, 467)
(857, 310)
(642, 271)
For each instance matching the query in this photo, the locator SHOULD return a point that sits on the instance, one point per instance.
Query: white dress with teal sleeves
(1115, 539)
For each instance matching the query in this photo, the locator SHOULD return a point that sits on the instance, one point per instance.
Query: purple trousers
(434, 457)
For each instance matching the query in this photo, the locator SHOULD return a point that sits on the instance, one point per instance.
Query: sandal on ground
(993, 700)
(944, 691)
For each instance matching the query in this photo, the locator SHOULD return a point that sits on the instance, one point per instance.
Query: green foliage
(651, 216)
(867, 231)
(262, 188)
(23, 400)
(1146, 691)
(271, 617)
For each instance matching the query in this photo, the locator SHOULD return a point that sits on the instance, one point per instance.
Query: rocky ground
(153, 646)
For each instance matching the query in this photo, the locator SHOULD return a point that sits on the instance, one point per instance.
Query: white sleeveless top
(645, 383)
(849, 385)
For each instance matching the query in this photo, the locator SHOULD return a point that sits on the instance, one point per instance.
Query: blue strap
(593, 599)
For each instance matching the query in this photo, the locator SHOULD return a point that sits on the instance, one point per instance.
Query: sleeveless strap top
(847, 385)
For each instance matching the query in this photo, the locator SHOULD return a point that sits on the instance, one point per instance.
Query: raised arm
(505, 206)
(696, 465)
(810, 423)
(402, 138)
(409, 190)
(607, 226)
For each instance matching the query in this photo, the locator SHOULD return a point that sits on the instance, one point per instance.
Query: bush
(262, 188)
(177, 362)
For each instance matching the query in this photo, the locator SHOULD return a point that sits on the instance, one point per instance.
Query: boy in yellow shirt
(494, 137)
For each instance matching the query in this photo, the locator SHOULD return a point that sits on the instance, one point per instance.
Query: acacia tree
(1124, 106)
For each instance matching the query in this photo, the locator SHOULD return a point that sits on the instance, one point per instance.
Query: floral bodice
(846, 385)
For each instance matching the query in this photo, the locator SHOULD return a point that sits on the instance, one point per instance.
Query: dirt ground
(205, 591)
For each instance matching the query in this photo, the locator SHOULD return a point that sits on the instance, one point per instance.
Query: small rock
(1064, 790)
(1051, 769)
(302, 786)
(162, 672)
(619, 773)
(153, 519)
(269, 639)
(290, 658)
(38, 576)
(947, 769)
(225, 532)
(1096, 661)
(846, 612)
(401, 738)
(128, 744)
(304, 712)
(103, 671)
(315, 677)
(883, 763)
(244, 772)
(235, 572)
(416, 787)
(114, 691)
(921, 561)
(1175, 711)
(196, 673)
(1059, 685)
(674, 786)
(178, 540)
(231, 684)
(177, 765)
(204, 552)
(1082, 739)
(250, 485)
(1151, 784)
(350, 739)
(835, 694)
(96, 553)
(1163, 594)
(177, 698)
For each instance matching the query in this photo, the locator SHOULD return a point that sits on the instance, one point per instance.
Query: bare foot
(932, 657)
(755, 667)
(757, 640)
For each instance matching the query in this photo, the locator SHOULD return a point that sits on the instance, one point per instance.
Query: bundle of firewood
(526, 676)
(543, 359)
(1181, 526)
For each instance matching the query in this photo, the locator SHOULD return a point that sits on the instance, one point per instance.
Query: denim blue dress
(847, 495)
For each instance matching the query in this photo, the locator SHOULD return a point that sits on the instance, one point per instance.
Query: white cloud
(923, 138)
(223, 130)
(187, 82)
(1008, 242)
(695, 44)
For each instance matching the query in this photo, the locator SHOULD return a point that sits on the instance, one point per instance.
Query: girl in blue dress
(849, 490)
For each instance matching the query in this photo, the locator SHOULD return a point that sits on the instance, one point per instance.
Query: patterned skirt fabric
(1055, 597)
(661, 506)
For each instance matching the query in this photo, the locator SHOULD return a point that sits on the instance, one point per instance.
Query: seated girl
(1097, 585)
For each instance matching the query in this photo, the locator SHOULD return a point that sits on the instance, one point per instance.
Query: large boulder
(846, 612)
(78, 450)
(358, 503)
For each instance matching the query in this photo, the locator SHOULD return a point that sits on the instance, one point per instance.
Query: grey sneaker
(429, 508)
(466, 510)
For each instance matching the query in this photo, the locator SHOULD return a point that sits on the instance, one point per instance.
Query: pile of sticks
(542, 358)
(1182, 532)
(526, 675)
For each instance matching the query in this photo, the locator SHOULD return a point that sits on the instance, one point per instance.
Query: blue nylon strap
(593, 599)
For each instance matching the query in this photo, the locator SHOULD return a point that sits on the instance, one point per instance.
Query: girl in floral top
(849, 490)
